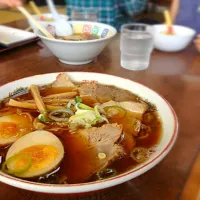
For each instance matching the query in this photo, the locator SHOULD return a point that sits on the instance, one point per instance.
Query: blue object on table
(189, 14)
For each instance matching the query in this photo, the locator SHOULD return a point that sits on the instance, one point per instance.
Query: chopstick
(28, 16)
(168, 22)
(167, 18)
(35, 8)
(28, 29)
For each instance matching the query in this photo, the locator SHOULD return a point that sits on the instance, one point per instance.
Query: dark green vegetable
(106, 173)
(84, 106)
(78, 99)
(43, 118)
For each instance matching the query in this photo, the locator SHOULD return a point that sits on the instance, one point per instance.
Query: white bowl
(172, 43)
(45, 23)
(80, 52)
(166, 112)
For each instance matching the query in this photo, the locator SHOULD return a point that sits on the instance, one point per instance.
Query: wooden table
(176, 76)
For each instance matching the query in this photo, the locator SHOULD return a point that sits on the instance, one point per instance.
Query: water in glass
(136, 46)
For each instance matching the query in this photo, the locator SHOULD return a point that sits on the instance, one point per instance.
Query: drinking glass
(84, 15)
(136, 45)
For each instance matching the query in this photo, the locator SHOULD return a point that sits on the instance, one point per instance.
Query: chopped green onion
(16, 165)
(97, 111)
(106, 173)
(83, 106)
(61, 115)
(42, 118)
(101, 118)
(82, 118)
(85, 116)
(70, 103)
(78, 99)
(101, 156)
(46, 112)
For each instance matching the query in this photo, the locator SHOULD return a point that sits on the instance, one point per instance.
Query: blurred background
(42, 3)
(153, 12)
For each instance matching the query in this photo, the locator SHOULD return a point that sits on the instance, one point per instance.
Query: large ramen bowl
(166, 113)
(80, 52)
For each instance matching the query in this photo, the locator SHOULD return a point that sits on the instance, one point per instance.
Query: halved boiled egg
(34, 154)
(13, 127)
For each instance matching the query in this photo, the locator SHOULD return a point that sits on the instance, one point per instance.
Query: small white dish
(11, 36)
(173, 43)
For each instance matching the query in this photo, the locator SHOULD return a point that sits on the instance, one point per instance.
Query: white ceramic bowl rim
(97, 185)
(190, 33)
(84, 41)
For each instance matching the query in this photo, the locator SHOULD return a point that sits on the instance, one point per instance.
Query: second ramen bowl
(80, 52)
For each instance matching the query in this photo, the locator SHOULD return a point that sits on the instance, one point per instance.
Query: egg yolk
(42, 156)
(8, 130)
(15, 125)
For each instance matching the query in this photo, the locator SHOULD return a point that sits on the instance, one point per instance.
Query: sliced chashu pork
(138, 109)
(103, 140)
(134, 112)
(83, 160)
(104, 93)
(62, 80)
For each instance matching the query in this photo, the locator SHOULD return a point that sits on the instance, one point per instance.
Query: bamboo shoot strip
(51, 100)
(23, 104)
(62, 95)
(38, 99)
